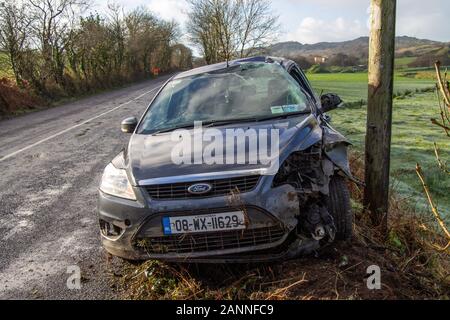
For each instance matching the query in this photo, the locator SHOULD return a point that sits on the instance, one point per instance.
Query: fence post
(379, 109)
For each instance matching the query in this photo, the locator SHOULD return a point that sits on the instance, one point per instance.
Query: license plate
(204, 223)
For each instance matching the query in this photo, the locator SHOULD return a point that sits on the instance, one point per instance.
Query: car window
(296, 74)
(246, 90)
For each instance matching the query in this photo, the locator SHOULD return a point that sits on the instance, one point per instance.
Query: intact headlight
(115, 182)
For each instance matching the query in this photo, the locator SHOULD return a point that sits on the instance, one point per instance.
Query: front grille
(219, 187)
(189, 243)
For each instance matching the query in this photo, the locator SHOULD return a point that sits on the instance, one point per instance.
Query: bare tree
(226, 29)
(443, 97)
(149, 40)
(117, 30)
(14, 25)
(201, 30)
(181, 57)
(258, 27)
(59, 51)
(52, 21)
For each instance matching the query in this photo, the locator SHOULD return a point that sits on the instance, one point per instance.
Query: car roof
(223, 65)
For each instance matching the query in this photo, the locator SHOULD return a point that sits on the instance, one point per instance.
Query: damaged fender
(335, 148)
(284, 199)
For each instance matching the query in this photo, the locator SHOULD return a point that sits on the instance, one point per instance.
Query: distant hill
(405, 46)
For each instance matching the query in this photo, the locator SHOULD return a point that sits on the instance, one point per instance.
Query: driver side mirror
(330, 101)
(128, 125)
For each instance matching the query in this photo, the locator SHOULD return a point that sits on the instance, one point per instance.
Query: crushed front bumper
(133, 229)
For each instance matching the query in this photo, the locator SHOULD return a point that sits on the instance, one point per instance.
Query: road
(50, 164)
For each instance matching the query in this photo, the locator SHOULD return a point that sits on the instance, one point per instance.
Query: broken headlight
(115, 182)
(301, 169)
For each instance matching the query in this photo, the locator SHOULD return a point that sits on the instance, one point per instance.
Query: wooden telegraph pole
(379, 109)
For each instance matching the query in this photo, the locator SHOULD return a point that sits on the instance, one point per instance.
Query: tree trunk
(379, 109)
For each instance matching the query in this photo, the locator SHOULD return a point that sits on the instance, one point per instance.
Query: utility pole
(379, 109)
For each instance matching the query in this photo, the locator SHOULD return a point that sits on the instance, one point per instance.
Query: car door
(300, 77)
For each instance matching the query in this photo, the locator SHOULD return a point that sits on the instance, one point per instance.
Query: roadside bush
(317, 68)
(14, 100)
(342, 60)
(302, 61)
(400, 95)
(337, 69)
(355, 104)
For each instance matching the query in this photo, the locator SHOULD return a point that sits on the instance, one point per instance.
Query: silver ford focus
(232, 162)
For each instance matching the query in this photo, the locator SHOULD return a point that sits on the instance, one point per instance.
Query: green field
(353, 86)
(403, 62)
(412, 133)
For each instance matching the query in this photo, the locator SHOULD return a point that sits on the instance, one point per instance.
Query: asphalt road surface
(51, 162)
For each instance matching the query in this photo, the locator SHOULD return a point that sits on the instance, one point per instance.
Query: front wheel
(339, 207)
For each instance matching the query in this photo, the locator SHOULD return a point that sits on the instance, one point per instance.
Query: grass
(403, 62)
(412, 133)
(353, 86)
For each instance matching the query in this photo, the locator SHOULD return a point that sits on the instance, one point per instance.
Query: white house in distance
(320, 59)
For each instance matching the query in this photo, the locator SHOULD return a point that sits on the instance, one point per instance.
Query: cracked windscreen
(249, 90)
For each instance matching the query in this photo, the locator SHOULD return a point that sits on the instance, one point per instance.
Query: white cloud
(170, 9)
(324, 20)
(165, 9)
(415, 18)
(312, 30)
(423, 21)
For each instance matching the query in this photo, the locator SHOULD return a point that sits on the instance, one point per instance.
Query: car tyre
(340, 208)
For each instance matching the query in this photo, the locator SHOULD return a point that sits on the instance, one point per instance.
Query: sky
(311, 21)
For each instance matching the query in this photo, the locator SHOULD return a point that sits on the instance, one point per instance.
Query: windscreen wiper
(282, 115)
(208, 123)
(183, 126)
(212, 123)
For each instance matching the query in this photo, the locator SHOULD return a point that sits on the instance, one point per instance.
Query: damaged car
(152, 206)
